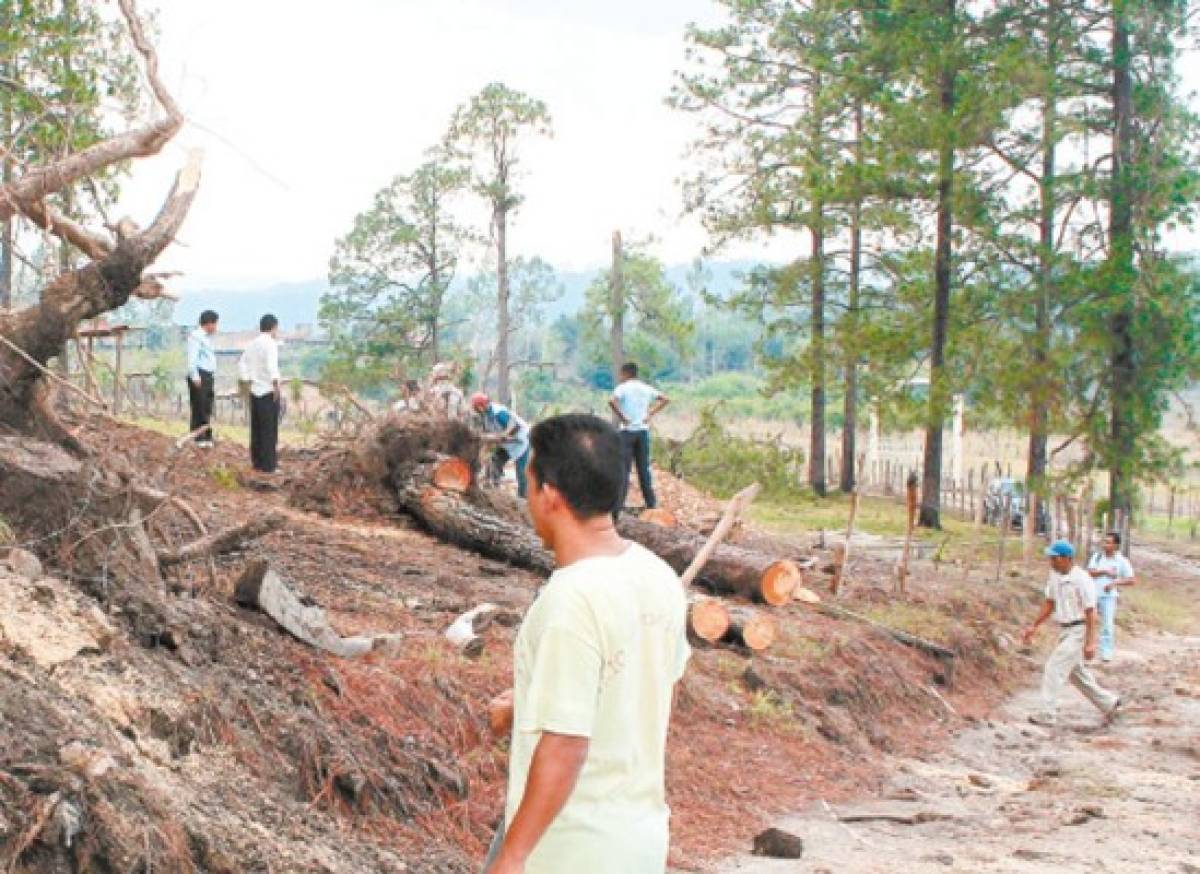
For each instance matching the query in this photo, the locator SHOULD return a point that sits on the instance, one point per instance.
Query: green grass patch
(224, 477)
(7, 535)
(927, 622)
(1161, 608)
(768, 708)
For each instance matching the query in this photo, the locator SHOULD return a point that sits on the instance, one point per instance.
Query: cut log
(452, 474)
(500, 713)
(263, 589)
(752, 629)
(658, 516)
(730, 570)
(229, 540)
(733, 510)
(452, 516)
(708, 619)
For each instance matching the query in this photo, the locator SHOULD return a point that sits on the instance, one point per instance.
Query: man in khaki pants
(1071, 599)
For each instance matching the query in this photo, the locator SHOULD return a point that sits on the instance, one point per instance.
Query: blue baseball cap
(1060, 549)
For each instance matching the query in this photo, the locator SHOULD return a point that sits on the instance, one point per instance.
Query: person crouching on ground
(510, 435)
(1071, 599)
(594, 669)
(1111, 572)
(259, 365)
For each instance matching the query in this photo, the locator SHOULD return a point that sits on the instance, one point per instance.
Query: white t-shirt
(598, 656)
(259, 365)
(1115, 568)
(634, 397)
(1072, 593)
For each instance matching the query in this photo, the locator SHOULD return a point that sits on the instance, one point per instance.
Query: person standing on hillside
(1111, 572)
(510, 435)
(259, 365)
(1071, 600)
(635, 403)
(594, 669)
(201, 378)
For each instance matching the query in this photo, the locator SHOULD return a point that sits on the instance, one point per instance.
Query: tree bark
(617, 306)
(502, 377)
(850, 401)
(816, 455)
(931, 495)
(1121, 265)
(751, 629)
(730, 570)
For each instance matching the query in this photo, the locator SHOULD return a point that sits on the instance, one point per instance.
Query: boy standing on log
(259, 365)
(1071, 599)
(635, 403)
(202, 374)
(594, 669)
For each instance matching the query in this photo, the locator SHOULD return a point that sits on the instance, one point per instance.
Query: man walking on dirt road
(1111, 572)
(1071, 600)
(594, 669)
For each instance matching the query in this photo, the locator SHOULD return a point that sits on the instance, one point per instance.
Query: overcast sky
(306, 108)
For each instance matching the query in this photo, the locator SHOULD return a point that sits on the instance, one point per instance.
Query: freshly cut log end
(453, 474)
(658, 516)
(780, 580)
(709, 619)
(754, 630)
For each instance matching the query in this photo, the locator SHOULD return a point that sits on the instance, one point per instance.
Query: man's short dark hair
(1116, 536)
(208, 317)
(579, 455)
(267, 323)
(629, 369)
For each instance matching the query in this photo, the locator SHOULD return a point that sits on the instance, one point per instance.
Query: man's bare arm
(658, 407)
(1043, 615)
(1089, 640)
(616, 408)
(557, 762)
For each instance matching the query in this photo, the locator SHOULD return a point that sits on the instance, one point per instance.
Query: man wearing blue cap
(1071, 600)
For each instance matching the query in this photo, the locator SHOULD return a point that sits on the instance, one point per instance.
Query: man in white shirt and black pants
(1071, 599)
(259, 365)
(635, 403)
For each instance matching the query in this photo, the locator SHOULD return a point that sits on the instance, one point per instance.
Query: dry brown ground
(242, 750)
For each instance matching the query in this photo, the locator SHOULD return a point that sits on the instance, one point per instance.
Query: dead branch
(223, 541)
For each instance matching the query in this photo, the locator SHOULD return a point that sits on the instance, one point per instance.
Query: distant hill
(297, 303)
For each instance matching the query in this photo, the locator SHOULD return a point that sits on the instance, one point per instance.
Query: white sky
(306, 108)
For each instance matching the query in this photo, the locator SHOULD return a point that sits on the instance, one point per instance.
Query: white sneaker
(204, 444)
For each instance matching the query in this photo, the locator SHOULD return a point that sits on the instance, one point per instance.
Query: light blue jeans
(1106, 606)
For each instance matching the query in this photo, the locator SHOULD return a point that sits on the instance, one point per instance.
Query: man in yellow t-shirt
(595, 666)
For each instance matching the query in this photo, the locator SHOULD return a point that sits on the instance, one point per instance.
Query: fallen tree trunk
(263, 589)
(708, 619)
(450, 514)
(730, 570)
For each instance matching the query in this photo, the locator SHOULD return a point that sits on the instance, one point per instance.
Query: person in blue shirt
(509, 433)
(1111, 571)
(201, 378)
(635, 403)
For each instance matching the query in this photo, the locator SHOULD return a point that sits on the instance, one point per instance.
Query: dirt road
(1012, 797)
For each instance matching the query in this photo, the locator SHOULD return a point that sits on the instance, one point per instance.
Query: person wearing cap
(510, 434)
(1111, 572)
(443, 395)
(1071, 600)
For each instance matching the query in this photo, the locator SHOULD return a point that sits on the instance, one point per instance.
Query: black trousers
(636, 447)
(264, 431)
(201, 399)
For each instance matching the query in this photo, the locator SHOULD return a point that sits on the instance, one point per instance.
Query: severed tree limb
(733, 511)
(919, 643)
(97, 288)
(221, 542)
(28, 192)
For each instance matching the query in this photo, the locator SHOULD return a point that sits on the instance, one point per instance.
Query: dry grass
(1165, 609)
